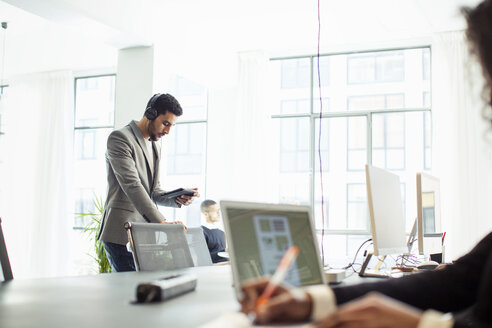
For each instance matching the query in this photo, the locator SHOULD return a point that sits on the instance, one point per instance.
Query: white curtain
(247, 169)
(38, 205)
(461, 152)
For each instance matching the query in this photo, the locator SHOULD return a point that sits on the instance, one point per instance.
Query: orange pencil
(279, 275)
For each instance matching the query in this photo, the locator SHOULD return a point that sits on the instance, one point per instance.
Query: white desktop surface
(105, 300)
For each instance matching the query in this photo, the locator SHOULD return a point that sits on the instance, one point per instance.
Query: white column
(134, 84)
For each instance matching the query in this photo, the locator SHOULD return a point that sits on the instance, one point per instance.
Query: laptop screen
(259, 234)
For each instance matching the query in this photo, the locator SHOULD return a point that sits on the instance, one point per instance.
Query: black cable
(350, 265)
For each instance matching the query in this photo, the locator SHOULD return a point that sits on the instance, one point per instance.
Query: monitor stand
(376, 272)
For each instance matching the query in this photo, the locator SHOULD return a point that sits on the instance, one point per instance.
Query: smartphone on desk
(178, 192)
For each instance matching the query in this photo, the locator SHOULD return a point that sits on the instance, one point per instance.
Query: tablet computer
(178, 192)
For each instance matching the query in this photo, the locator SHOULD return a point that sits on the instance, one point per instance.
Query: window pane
(345, 165)
(89, 169)
(373, 80)
(192, 97)
(361, 69)
(293, 160)
(294, 145)
(357, 209)
(390, 66)
(324, 71)
(323, 146)
(291, 85)
(94, 101)
(295, 73)
(186, 154)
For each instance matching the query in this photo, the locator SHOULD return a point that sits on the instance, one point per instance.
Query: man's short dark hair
(206, 204)
(166, 103)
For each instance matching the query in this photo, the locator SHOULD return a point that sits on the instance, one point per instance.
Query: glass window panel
(358, 133)
(357, 217)
(359, 82)
(325, 103)
(395, 130)
(366, 102)
(323, 146)
(288, 106)
(295, 73)
(390, 67)
(89, 168)
(294, 188)
(192, 97)
(294, 144)
(186, 154)
(288, 135)
(341, 161)
(395, 159)
(395, 101)
(324, 71)
(379, 157)
(94, 101)
(357, 159)
(288, 162)
(378, 131)
(361, 69)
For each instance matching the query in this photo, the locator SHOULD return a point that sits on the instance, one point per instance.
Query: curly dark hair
(166, 103)
(479, 34)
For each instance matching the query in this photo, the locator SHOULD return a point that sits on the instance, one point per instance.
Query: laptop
(259, 234)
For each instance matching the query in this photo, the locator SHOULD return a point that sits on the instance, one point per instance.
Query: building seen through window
(184, 149)
(375, 109)
(94, 121)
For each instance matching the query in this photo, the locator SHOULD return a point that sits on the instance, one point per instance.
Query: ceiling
(213, 28)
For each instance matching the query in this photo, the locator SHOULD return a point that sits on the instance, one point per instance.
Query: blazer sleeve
(451, 289)
(120, 157)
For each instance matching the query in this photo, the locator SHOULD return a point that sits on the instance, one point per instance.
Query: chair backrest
(198, 247)
(4, 258)
(157, 246)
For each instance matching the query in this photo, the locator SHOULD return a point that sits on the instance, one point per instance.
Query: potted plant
(92, 230)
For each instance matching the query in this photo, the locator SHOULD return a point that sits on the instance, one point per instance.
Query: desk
(104, 300)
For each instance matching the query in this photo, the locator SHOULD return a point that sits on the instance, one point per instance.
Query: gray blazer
(133, 187)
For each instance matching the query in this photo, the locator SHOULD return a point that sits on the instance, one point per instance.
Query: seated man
(214, 236)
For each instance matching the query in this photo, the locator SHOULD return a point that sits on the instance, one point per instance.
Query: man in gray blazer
(132, 163)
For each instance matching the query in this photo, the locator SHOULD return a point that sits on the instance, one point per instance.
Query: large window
(94, 121)
(375, 109)
(184, 149)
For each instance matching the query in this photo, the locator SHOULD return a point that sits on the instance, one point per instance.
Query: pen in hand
(279, 275)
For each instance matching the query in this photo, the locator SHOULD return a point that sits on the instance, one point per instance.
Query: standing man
(214, 236)
(132, 164)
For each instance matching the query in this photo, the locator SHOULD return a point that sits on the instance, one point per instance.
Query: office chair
(4, 257)
(157, 246)
(198, 247)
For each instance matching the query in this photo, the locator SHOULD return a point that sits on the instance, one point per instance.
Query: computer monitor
(429, 229)
(259, 234)
(386, 212)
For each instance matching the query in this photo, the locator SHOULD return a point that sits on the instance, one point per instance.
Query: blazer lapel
(157, 153)
(141, 141)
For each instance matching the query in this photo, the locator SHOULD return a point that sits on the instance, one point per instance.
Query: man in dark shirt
(214, 236)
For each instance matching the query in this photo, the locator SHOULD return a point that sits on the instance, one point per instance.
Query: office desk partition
(105, 300)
